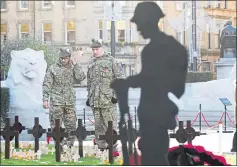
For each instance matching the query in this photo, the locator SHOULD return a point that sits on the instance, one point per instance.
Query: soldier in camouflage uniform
(58, 87)
(102, 70)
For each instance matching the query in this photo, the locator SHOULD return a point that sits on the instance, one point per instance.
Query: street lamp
(112, 31)
(113, 13)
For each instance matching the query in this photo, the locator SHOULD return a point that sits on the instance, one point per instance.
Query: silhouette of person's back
(164, 68)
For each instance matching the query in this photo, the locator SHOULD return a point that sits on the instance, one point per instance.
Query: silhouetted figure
(164, 68)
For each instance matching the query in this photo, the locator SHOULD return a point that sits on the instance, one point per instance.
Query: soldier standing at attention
(102, 70)
(58, 87)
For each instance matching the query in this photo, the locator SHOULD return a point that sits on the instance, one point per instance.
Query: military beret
(96, 43)
(64, 52)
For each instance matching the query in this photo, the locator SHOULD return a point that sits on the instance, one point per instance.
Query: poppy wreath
(188, 155)
(194, 156)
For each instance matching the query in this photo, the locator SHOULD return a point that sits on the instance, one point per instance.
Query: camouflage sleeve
(116, 70)
(47, 84)
(78, 73)
(88, 82)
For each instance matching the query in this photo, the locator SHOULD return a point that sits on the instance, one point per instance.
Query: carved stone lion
(25, 78)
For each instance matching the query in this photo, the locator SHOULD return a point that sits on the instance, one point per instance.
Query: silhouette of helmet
(147, 12)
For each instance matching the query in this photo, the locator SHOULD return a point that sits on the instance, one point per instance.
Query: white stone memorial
(25, 78)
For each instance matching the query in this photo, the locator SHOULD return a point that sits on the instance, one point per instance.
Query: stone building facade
(74, 23)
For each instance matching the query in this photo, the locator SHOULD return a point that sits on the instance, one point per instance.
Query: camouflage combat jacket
(58, 84)
(101, 72)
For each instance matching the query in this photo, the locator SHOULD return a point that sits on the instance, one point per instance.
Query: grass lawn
(50, 160)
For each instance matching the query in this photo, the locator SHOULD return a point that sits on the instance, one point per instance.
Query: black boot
(234, 147)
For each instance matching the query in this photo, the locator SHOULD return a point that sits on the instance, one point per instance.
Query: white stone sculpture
(25, 78)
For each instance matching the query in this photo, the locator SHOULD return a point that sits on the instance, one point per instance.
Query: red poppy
(115, 154)
(200, 149)
(48, 139)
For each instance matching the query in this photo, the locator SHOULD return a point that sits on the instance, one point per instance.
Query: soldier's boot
(106, 146)
(62, 143)
(102, 145)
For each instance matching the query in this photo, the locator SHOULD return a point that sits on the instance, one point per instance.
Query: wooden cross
(37, 132)
(191, 132)
(110, 137)
(17, 126)
(58, 136)
(81, 134)
(7, 133)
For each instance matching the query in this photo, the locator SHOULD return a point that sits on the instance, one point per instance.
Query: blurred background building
(74, 23)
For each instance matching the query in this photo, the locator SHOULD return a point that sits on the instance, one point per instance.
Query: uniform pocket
(106, 71)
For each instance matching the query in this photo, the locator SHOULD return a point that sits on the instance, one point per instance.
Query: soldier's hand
(45, 105)
(114, 100)
(73, 61)
(76, 57)
(88, 103)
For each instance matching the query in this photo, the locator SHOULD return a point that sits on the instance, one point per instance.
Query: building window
(218, 4)
(70, 32)
(24, 4)
(108, 27)
(3, 33)
(130, 32)
(100, 28)
(209, 38)
(46, 4)
(23, 31)
(70, 3)
(206, 66)
(217, 40)
(208, 3)
(3, 5)
(225, 4)
(47, 33)
(121, 30)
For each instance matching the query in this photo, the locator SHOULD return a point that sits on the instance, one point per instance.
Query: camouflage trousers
(102, 116)
(67, 116)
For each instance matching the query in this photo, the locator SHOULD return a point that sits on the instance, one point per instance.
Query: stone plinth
(224, 67)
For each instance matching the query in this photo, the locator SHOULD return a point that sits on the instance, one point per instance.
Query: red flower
(200, 149)
(48, 139)
(115, 154)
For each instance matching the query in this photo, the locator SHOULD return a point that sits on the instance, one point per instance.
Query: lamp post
(113, 31)
(194, 33)
(112, 12)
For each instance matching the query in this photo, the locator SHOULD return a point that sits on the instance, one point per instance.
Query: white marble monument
(25, 78)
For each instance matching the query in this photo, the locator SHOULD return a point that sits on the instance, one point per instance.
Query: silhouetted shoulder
(177, 46)
(174, 43)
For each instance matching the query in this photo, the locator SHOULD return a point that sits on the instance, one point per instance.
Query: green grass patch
(50, 160)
